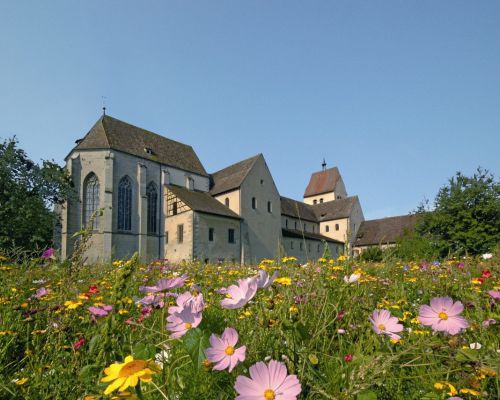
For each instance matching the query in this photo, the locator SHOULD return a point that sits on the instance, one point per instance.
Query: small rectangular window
(166, 237)
(327, 228)
(269, 207)
(321, 200)
(254, 203)
(174, 208)
(230, 237)
(210, 234)
(180, 233)
(315, 201)
(336, 227)
(291, 244)
(301, 246)
(295, 225)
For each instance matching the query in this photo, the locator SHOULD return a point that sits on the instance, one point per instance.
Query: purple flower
(495, 294)
(264, 280)
(178, 323)
(100, 311)
(238, 296)
(223, 352)
(164, 284)
(49, 253)
(488, 322)
(155, 300)
(41, 292)
(383, 323)
(443, 315)
(187, 300)
(268, 382)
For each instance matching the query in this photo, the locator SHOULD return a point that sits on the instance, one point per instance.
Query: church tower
(324, 186)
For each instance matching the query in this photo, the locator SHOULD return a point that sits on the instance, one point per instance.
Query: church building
(141, 192)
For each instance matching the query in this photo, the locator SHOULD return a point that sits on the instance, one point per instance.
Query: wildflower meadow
(332, 329)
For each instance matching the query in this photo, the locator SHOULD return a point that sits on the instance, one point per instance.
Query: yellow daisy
(127, 374)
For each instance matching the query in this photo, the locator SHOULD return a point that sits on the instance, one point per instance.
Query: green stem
(139, 391)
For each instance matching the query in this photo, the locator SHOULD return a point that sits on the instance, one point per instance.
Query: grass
(315, 323)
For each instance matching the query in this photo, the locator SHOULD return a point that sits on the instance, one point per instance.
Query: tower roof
(322, 182)
(111, 133)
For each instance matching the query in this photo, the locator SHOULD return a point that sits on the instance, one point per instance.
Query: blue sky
(398, 94)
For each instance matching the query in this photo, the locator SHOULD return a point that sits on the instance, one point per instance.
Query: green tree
(28, 194)
(466, 218)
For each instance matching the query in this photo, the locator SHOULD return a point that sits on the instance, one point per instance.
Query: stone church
(141, 192)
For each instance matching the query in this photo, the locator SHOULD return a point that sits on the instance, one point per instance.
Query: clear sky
(398, 94)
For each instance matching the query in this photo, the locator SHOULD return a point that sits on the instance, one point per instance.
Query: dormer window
(148, 150)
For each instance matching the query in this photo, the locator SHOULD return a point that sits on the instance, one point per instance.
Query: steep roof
(232, 177)
(384, 230)
(202, 202)
(111, 133)
(335, 209)
(297, 209)
(307, 235)
(322, 182)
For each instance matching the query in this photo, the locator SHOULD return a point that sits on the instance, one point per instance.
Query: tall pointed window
(91, 199)
(125, 204)
(152, 194)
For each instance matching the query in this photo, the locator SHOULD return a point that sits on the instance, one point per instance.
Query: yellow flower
(71, 305)
(470, 391)
(21, 381)
(284, 281)
(443, 385)
(128, 374)
(293, 309)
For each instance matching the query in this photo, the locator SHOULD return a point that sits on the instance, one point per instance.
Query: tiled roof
(202, 202)
(111, 133)
(334, 209)
(307, 235)
(385, 230)
(297, 209)
(231, 177)
(322, 182)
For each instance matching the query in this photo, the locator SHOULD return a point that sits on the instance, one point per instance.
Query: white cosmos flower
(352, 278)
(487, 256)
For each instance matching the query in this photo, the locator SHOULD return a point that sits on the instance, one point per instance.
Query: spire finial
(103, 105)
(324, 164)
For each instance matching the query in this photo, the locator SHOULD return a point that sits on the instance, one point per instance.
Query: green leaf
(367, 395)
(196, 342)
(465, 355)
(89, 372)
(144, 351)
(430, 396)
(95, 341)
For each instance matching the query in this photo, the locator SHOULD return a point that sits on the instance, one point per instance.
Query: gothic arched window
(125, 204)
(152, 207)
(91, 199)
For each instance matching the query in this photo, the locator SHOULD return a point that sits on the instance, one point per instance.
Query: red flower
(79, 343)
(486, 273)
(348, 358)
(93, 289)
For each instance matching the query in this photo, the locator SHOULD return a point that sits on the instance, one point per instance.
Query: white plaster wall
(234, 200)
(174, 251)
(311, 250)
(261, 230)
(219, 248)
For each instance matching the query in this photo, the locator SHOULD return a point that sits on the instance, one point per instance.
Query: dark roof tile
(297, 209)
(334, 209)
(111, 133)
(202, 202)
(322, 182)
(308, 235)
(385, 230)
(231, 178)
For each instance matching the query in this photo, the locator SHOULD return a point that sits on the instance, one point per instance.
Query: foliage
(52, 348)
(28, 192)
(414, 246)
(466, 218)
(373, 253)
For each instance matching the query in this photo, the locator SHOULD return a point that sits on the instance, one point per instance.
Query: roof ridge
(238, 162)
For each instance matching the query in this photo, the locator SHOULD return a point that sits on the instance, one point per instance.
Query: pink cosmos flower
(495, 294)
(383, 323)
(443, 315)
(178, 323)
(41, 292)
(268, 382)
(49, 253)
(100, 311)
(223, 352)
(240, 295)
(186, 299)
(164, 284)
(155, 300)
(264, 280)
